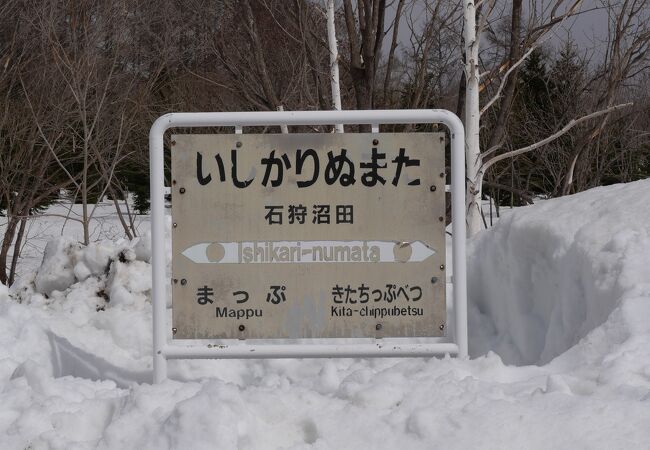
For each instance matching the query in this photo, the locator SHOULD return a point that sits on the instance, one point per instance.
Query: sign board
(308, 235)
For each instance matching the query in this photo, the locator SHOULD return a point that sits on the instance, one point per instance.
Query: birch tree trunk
(472, 120)
(334, 61)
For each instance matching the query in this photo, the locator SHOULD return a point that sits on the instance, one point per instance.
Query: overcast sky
(586, 29)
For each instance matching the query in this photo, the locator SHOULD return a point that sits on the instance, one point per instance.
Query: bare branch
(551, 138)
(504, 80)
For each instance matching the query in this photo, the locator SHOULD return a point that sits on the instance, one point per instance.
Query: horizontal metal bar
(308, 350)
(258, 118)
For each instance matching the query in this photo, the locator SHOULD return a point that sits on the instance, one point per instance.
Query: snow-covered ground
(61, 219)
(559, 337)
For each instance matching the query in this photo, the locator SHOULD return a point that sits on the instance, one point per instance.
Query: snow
(546, 276)
(559, 336)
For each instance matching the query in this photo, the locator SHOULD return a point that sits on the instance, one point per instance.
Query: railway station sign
(308, 235)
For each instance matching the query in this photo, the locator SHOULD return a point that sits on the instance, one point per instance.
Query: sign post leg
(158, 269)
(459, 232)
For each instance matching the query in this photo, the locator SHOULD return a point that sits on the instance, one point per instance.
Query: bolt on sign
(308, 236)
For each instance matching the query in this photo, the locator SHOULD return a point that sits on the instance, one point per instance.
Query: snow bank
(93, 304)
(75, 354)
(66, 261)
(548, 274)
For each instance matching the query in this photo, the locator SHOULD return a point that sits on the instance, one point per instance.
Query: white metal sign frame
(164, 350)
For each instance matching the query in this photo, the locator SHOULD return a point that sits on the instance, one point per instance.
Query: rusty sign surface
(308, 235)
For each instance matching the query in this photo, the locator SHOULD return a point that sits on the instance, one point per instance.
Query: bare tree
(627, 55)
(365, 33)
(433, 53)
(538, 31)
(28, 175)
(334, 61)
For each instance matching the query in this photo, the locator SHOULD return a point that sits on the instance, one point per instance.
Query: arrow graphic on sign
(299, 252)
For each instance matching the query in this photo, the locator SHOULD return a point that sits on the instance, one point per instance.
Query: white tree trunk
(283, 128)
(334, 61)
(472, 121)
